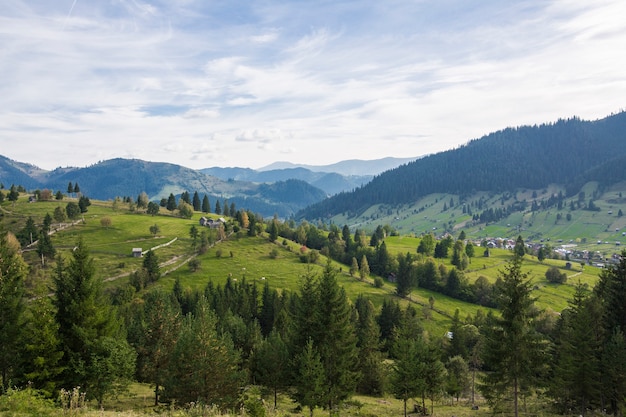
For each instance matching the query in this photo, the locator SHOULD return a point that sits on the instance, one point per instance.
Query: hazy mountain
(348, 167)
(568, 152)
(330, 182)
(129, 177)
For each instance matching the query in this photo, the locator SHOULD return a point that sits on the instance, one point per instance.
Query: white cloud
(319, 82)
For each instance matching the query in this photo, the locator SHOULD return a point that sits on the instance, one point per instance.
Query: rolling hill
(129, 177)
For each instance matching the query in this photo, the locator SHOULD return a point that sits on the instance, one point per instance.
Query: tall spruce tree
(513, 348)
(153, 333)
(87, 329)
(575, 382)
(204, 365)
(370, 357)
(337, 341)
(309, 378)
(13, 271)
(271, 364)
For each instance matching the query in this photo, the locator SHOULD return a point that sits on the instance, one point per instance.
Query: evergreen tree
(13, 271)
(354, 267)
(45, 249)
(364, 268)
(337, 339)
(407, 378)
(151, 266)
(206, 206)
(273, 230)
(142, 200)
(204, 365)
(73, 210)
(153, 334)
(372, 381)
(70, 188)
(85, 327)
(14, 194)
(83, 203)
(218, 207)
(309, 381)
(197, 205)
(614, 371)
(29, 233)
(184, 196)
(42, 351)
(458, 380)
(171, 203)
(226, 210)
(513, 348)
(271, 364)
(405, 278)
(576, 378)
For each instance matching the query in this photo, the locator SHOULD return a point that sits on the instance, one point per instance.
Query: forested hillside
(568, 152)
(119, 177)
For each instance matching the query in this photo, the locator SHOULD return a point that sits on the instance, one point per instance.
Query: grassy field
(251, 258)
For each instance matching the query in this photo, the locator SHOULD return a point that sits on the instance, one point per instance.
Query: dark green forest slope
(568, 152)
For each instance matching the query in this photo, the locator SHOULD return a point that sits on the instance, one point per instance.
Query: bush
(274, 253)
(378, 282)
(555, 276)
(194, 265)
(26, 402)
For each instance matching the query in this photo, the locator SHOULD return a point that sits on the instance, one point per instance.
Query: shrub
(378, 282)
(26, 402)
(274, 253)
(218, 253)
(194, 265)
(555, 276)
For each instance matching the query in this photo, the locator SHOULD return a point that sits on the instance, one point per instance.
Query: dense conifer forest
(569, 152)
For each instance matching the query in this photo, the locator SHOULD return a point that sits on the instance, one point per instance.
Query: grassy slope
(111, 248)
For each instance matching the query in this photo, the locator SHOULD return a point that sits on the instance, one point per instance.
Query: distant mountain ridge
(348, 167)
(330, 182)
(568, 152)
(281, 192)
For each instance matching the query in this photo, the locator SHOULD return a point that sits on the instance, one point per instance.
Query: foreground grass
(138, 402)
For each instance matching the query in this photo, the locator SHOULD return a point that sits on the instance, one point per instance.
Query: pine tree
(204, 365)
(513, 348)
(151, 266)
(85, 327)
(271, 364)
(309, 381)
(206, 206)
(218, 207)
(197, 205)
(13, 271)
(337, 340)
(354, 267)
(153, 333)
(42, 354)
(370, 358)
(576, 375)
(614, 370)
(171, 203)
(364, 268)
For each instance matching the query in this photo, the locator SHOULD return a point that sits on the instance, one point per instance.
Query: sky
(246, 83)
